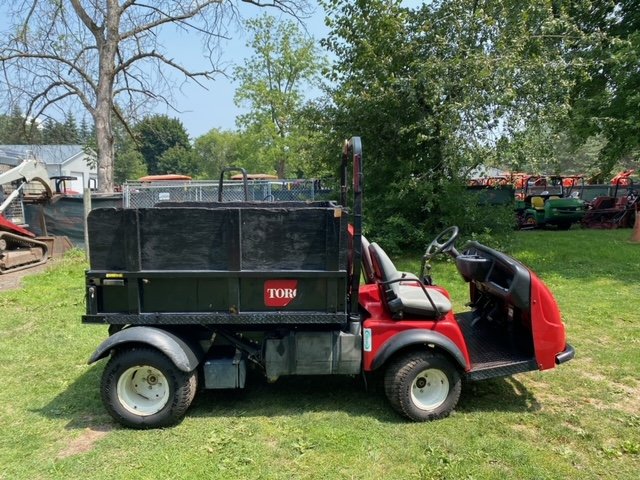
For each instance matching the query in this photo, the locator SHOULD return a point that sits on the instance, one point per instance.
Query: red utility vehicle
(195, 293)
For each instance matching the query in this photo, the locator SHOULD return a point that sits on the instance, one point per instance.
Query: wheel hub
(429, 389)
(143, 390)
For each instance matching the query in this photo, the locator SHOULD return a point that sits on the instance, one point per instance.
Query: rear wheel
(422, 385)
(142, 388)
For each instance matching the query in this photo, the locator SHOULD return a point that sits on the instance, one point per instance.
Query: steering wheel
(443, 243)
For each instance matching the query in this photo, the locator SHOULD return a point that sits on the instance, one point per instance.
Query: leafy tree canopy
(432, 90)
(155, 135)
(272, 83)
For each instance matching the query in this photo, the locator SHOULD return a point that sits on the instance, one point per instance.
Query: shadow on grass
(300, 395)
(80, 402)
(497, 395)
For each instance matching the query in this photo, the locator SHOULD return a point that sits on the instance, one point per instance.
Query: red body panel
(383, 327)
(7, 226)
(549, 336)
(548, 330)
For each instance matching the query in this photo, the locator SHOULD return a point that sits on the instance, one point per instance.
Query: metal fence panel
(148, 194)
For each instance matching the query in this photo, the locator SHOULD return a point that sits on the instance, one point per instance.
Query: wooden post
(86, 200)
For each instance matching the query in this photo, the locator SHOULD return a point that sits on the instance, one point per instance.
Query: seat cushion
(415, 302)
(405, 295)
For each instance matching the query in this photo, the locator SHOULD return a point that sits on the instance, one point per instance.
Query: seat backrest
(367, 264)
(537, 202)
(384, 270)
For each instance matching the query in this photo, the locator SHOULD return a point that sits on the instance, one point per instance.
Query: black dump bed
(218, 263)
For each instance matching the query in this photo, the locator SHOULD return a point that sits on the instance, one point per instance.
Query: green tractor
(549, 200)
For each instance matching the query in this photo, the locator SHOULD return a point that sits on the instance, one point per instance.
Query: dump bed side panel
(215, 262)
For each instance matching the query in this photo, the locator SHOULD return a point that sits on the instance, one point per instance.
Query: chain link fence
(148, 194)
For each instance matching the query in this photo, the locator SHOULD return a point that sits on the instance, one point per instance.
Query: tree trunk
(107, 44)
(280, 168)
(106, 150)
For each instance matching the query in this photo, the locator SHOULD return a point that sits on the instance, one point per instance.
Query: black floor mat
(492, 346)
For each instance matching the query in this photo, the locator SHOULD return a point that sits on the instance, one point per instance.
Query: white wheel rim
(429, 389)
(143, 390)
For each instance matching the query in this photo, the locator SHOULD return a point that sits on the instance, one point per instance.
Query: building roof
(49, 154)
(10, 157)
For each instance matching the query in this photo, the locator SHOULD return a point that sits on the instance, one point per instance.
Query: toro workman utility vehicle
(195, 294)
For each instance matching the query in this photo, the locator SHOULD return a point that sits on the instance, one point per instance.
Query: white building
(61, 161)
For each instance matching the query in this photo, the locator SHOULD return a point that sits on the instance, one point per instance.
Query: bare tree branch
(54, 58)
(96, 51)
(87, 20)
(166, 18)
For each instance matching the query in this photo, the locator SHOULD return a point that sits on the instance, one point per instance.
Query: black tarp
(221, 259)
(64, 215)
(222, 237)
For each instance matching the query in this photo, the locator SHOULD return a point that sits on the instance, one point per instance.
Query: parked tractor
(196, 294)
(545, 201)
(616, 210)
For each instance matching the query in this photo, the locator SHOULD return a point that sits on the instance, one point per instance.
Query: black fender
(417, 337)
(184, 354)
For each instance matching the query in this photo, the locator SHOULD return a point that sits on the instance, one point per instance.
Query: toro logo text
(280, 293)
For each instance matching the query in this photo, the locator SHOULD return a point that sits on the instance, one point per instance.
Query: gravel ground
(11, 281)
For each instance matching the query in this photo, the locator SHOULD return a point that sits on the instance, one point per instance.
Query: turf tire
(180, 388)
(402, 382)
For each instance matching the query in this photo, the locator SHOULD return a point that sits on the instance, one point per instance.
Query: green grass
(581, 420)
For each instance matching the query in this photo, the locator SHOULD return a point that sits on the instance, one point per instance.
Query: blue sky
(203, 109)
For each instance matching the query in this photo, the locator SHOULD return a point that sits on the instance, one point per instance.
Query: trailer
(196, 294)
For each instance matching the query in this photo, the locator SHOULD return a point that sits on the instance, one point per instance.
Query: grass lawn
(581, 420)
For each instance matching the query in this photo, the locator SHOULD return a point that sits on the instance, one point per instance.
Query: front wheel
(422, 385)
(529, 221)
(142, 388)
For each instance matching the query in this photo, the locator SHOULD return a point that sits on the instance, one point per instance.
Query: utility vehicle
(546, 201)
(195, 294)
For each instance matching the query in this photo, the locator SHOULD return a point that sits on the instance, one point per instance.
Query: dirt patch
(85, 442)
(13, 280)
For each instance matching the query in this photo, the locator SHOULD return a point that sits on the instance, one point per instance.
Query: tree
(431, 90)
(129, 165)
(181, 160)
(271, 86)
(156, 134)
(84, 131)
(217, 149)
(606, 100)
(106, 54)
(16, 129)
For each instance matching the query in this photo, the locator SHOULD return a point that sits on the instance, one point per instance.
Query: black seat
(367, 265)
(404, 293)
